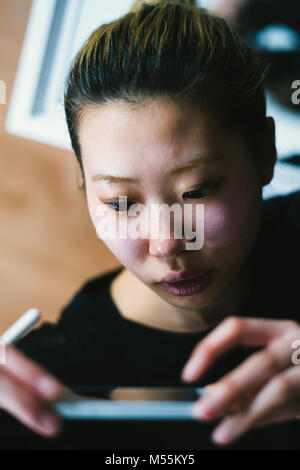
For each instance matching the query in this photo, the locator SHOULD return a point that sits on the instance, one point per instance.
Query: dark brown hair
(163, 49)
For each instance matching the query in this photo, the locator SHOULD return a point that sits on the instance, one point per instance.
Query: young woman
(166, 105)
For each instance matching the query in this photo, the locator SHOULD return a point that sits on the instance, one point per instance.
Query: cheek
(232, 221)
(223, 225)
(128, 251)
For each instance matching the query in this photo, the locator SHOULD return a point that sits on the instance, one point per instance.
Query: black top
(93, 344)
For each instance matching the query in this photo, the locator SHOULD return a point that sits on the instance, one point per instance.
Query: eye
(199, 193)
(116, 205)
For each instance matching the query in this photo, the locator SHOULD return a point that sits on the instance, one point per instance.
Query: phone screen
(115, 393)
(129, 403)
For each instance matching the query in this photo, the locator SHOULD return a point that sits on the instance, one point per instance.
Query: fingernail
(49, 421)
(223, 434)
(206, 409)
(189, 371)
(47, 386)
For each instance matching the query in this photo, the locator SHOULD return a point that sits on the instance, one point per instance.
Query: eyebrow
(185, 166)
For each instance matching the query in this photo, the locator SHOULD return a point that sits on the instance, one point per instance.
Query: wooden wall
(48, 245)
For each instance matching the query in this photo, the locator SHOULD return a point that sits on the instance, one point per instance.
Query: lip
(183, 275)
(189, 285)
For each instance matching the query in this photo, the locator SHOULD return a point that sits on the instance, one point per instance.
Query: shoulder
(274, 291)
(283, 211)
(92, 297)
(280, 229)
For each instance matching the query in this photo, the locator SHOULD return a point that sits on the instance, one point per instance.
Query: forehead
(156, 130)
(163, 118)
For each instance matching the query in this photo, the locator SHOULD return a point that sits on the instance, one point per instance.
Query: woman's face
(144, 144)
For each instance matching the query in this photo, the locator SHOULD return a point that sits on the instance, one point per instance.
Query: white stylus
(29, 318)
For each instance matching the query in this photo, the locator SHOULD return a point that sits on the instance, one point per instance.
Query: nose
(163, 244)
(167, 248)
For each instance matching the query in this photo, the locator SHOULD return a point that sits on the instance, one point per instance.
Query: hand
(264, 389)
(26, 390)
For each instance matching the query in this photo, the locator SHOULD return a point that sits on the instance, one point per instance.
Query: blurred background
(48, 246)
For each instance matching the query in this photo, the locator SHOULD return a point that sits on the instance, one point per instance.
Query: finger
(28, 408)
(285, 412)
(243, 402)
(230, 332)
(247, 378)
(233, 427)
(278, 400)
(237, 406)
(30, 373)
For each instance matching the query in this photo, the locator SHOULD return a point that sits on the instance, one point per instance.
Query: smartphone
(129, 403)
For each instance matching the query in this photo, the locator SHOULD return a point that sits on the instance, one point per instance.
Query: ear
(269, 156)
(79, 176)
